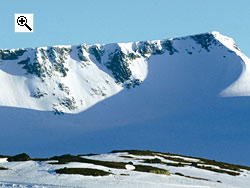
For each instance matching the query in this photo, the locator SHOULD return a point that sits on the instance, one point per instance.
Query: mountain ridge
(121, 65)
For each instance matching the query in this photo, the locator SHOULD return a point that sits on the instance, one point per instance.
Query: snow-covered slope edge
(73, 78)
(128, 168)
(241, 86)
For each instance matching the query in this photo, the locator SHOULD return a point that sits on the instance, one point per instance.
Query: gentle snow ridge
(187, 173)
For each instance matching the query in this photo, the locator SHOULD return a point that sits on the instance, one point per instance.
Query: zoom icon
(23, 22)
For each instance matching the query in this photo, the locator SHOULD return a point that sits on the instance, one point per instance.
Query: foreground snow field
(184, 172)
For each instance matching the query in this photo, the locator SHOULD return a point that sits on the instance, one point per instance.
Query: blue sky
(97, 21)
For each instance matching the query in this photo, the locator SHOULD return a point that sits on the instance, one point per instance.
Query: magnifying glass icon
(22, 21)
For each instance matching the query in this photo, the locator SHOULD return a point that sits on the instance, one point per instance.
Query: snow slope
(43, 174)
(170, 95)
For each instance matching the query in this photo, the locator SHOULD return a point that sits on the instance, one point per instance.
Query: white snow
(3, 160)
(130, 167)
(41, 174)
(241, 86)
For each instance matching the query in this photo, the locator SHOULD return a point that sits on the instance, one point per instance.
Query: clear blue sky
(107, 21)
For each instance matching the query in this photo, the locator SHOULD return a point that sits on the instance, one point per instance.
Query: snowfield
(42, 174)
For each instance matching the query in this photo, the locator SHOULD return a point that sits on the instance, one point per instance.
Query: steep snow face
(73, 78)
(67, 78)
(241, 86)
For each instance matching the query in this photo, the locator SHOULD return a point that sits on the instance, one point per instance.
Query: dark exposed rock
(119, 67)
(80, 55)
(33, 67)
(19, 157)
(58, 56)
(168, 45)
(83, 171)
(95, 51)
(64, 88)
(69, 103)
(133, 83)
(205, 40)
(38, 94)
(11, 55)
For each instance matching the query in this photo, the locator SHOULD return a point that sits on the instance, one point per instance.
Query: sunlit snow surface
(41, 174)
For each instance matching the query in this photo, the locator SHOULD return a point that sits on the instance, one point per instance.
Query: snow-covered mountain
(131, 168)
(69, 78)
(163, 95)
(73, 78)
